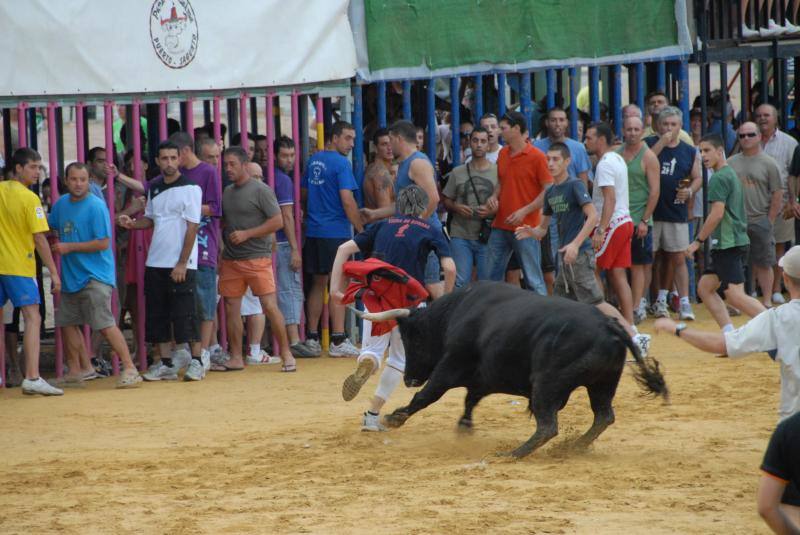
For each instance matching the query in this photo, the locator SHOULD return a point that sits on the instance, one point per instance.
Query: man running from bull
(404, 241)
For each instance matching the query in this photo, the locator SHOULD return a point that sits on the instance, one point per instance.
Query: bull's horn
(383, 316)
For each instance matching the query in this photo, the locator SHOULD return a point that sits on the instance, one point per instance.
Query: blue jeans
(501, 244)
(467, 253)
(290, 293)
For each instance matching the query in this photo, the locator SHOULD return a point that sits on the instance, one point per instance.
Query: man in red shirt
(522, 178)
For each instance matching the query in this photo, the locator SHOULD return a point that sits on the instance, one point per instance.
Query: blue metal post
(661, 76)
(594, 93)
(550, 77)
(616, 98)
(478, 99)
(430, 101)
(382, 104)
(683, 88)
(723, 87)
(407, 100)
(640, 88)
(455, 121)
(573, 103)
(358, 124)
(501, 94)
(525, 96)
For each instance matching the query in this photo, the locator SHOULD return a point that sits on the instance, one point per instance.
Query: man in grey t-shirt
(250, 215)
(763, 198)
(465, 197)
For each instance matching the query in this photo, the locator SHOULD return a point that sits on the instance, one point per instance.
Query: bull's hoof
(464, 426)
(395, 419)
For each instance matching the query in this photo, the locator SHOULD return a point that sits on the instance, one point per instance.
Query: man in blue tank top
(415, 168)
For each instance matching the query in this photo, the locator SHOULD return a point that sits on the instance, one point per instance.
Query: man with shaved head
(763, 199)
(644, 187)
(780, 146)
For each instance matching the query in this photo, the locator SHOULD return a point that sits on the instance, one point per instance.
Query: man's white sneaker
(372, 423)
(159, 372)
(181, 358)
(640, 314)
(642, 341)
(205, 359)
(195, 371)
(660, 309)
(40, 386)
(345, 349)
(686, 312)
(263, 358)
(778, 299)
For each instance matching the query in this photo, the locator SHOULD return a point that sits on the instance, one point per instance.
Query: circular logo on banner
(173, 32)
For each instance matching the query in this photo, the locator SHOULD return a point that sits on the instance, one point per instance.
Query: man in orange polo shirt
(522, 178)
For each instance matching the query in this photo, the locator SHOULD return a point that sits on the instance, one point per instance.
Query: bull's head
(414, 330)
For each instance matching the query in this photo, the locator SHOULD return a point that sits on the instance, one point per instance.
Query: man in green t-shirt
(726, 225)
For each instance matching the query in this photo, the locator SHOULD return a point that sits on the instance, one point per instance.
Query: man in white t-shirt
(774, 331)
(612, 238)
(173, 210)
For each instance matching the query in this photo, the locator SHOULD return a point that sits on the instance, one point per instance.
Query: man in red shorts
(612, 237)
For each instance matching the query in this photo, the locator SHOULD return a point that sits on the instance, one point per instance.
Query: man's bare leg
(30, 340)
(269, 304)
(233, 311)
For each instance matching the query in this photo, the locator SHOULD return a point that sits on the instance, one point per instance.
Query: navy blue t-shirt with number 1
(404, 241)
(676, 164)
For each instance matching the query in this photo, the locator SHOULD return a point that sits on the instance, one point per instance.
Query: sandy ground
(263, 452)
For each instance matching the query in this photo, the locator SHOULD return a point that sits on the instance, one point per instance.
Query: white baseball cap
(790, 262)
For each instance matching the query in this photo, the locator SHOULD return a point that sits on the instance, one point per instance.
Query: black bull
(493, 338)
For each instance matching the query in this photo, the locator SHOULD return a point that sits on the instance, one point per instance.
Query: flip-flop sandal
(288, 368)
(224, 368)
(89, 376)
(69, 382)
(129, 380)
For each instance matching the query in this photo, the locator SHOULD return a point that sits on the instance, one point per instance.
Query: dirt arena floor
(263, 452)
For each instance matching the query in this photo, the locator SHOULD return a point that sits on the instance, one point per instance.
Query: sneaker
(262, 358)
(181, 358)
(205, 358)
(102, 367)
(747, 33)
(219, 356)
(371, 422)
(313, 346)
(159, 372)
(40, 386)
(129, 380)
(660, 309)
(772, 29)
(642, 341)
(300, 350)
(778, 299)
(355, 381)
(345, 349)
(640, 314)
(686, 312)
(195, 371)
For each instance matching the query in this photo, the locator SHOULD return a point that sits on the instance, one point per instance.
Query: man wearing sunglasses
(763, 197)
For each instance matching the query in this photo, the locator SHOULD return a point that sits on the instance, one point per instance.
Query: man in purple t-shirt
(207, 177)
(290, 291)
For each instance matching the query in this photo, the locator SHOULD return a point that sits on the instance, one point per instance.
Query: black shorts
(513, 263)
(319, 254)
(548, 265)
(642, 248)
(791, 496)
(170, 307)
(728, 266)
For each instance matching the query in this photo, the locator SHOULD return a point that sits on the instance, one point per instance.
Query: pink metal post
(137, 239)
(162, 119)
(190, 116)
(108, 117)
(22, 124)
(271, 181)
(79, 132)
(243, 99)
(296, 176)
(223, 327)
(54, 179)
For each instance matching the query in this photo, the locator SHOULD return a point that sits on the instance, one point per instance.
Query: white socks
(255, 350)
(662, 296)
(685, 301)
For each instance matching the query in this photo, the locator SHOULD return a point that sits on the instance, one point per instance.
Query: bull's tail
(647, 372)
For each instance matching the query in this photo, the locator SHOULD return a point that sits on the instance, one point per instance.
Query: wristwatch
(678, 328)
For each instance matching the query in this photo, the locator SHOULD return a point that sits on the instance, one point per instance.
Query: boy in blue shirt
(82, 224)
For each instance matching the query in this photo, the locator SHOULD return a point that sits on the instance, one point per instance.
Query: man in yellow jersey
(23, 226)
